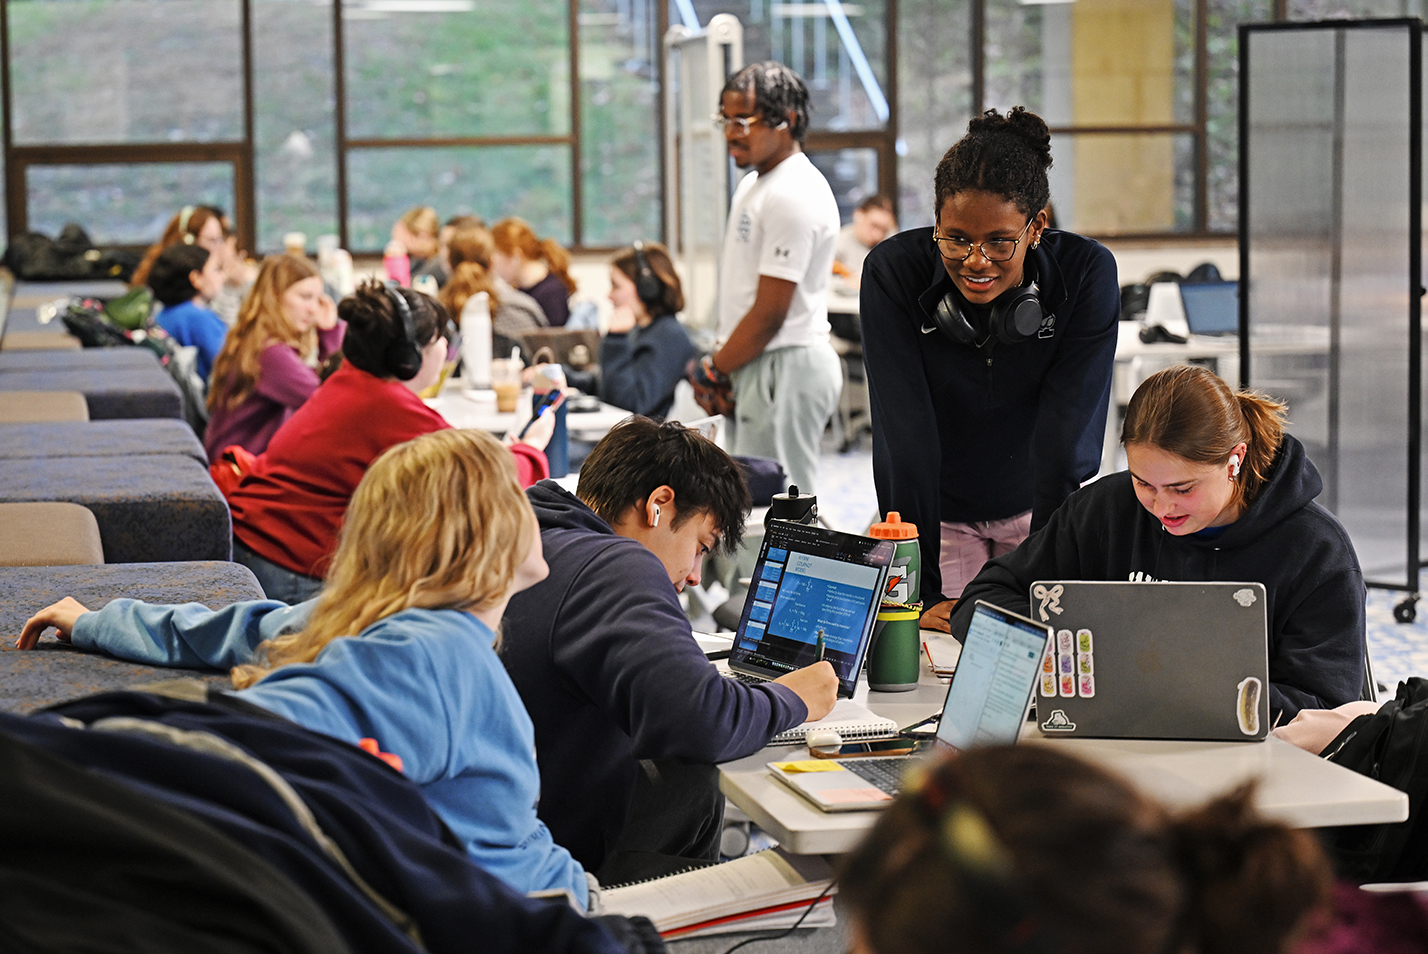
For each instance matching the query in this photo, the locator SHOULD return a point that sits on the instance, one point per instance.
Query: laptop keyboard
(746, 679)
(885, 774)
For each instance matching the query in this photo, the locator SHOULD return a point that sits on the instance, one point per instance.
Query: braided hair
(776, 91)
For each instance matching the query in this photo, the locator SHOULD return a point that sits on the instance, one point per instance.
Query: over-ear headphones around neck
(648, 286)
(403, 357)
(1016, 315)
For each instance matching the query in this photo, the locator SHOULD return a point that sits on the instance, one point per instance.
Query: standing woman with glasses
(989, 340)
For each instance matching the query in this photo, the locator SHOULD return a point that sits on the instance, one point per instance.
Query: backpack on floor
(1390, 745)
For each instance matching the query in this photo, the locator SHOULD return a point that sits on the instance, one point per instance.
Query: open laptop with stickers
(1153, 660)
(813, 591)
(987, 703)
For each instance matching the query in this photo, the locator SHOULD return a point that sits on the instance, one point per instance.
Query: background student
(267, 368)
(989, 341)
(1026, 849)
(538, 267)
(1216, 490)
(469, 250)
(644, 354)
(398, 648)
(185, 278)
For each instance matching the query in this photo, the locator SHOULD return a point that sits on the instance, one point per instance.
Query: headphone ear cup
(648, 286)
(403, 354)
(1018, 315)
(949, 319)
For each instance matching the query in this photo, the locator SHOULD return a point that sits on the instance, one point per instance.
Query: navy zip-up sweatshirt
(607, 666)
(1284, 540)
(965, 435)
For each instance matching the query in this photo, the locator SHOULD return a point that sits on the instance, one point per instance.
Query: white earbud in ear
(1234, 465)
(655, 521)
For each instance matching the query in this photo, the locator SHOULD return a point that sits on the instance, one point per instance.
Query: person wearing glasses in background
(774, 272)
(989, 341)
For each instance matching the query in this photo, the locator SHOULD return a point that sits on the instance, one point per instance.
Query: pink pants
(966, 546)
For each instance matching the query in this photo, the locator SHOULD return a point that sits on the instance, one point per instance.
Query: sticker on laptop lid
(1068, 664)
(1087, 687)
(1086, 664)
(1057, 722)
(1048, 685)
(1247, 708)
(1065, 641)
(1068, 686)
(1083, 641)
(1245, 597)
(1048, 660)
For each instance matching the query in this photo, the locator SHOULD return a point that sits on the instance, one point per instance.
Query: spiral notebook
(851, 720)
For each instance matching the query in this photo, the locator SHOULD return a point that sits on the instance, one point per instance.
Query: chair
(42, 407)
(49, 534)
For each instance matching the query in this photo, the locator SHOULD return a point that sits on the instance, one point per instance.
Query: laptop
(1212, 308)
(1154, 660)
(813, 589)
(987, 703)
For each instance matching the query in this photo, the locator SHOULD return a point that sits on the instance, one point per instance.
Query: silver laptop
(987, 703)
(814, 591)
(1154, 660)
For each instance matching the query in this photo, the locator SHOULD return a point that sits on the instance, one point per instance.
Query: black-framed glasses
(993, 250)
(740, 123)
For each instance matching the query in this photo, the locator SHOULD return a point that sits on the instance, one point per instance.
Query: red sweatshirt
(289, 508)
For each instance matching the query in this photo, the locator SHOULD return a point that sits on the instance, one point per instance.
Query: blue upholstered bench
(150, 507)
(94, 359)
(56, 671)
(100, 439)
(110, 393)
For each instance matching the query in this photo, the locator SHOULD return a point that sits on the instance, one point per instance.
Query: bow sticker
(1050, 600)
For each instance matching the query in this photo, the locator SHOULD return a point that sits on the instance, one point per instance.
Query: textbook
(852, 721)
(767, 890)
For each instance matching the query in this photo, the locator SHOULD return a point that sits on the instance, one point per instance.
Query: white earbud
(1234, 465)
(655, 521)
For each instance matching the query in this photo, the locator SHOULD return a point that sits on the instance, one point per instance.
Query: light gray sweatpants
(783, 401)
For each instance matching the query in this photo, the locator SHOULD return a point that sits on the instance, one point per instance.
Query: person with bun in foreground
(1026, 849)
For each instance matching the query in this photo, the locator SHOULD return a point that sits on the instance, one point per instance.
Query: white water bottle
(476, 341)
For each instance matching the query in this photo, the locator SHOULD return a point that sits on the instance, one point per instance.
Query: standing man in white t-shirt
(773, 277)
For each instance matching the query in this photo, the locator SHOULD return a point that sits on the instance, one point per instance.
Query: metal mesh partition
(1330, 245)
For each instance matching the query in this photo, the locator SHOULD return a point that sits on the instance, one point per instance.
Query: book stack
(769, 890)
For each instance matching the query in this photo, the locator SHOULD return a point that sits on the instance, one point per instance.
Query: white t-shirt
(784, 225)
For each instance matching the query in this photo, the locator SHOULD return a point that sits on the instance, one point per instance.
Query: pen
(821, 646)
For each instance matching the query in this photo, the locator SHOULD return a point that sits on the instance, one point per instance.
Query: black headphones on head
(648, 286)
(403, 357)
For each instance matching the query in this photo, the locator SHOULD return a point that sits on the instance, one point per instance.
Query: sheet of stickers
(1069, 667)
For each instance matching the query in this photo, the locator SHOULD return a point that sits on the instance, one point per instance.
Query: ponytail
(558, 260)
(467, 279)
(1190, 412)
(1252, 884)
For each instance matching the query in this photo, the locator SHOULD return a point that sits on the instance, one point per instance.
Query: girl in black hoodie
(1215, 491)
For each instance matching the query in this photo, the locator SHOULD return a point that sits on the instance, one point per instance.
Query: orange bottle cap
(893, 528)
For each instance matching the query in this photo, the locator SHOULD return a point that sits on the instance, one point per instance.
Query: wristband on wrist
(712, 372)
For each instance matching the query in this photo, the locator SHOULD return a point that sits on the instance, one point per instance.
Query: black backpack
(1390, 745)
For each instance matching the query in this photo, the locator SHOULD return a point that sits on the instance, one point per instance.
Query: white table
(477, 410)
(1294, 786)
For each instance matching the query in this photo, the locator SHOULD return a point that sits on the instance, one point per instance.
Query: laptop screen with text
(994, 680)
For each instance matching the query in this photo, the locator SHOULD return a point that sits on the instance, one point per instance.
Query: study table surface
(477, 410)
(1294, 786)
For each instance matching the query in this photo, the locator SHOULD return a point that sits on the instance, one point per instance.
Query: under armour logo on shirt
(780, 252)
(746, 225)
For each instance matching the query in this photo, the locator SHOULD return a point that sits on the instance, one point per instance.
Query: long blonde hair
(439, 522)
(469, 251)
(516, 235)
(261, 322)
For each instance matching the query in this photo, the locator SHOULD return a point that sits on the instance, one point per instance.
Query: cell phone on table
(853, 750)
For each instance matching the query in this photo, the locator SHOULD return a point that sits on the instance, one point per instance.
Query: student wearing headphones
(989, 341)
(289, 505)
(644, 354)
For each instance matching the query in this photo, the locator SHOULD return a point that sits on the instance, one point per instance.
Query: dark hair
(878, 201)
(639, 455)
(1004, 155)
(1190, 412)
(1026, 848)
(169, 275)
(671, 298)
(776, 91)
(459, 222)
(373, 324)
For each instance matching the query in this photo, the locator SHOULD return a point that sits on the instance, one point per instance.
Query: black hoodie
(1284, 540)
(603, 657)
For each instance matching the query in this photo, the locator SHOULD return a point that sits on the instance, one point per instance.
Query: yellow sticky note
(808, 765)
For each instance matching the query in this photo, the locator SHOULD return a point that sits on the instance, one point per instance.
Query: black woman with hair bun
(989, 341)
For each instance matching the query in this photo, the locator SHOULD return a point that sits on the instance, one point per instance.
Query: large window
(337, 115)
